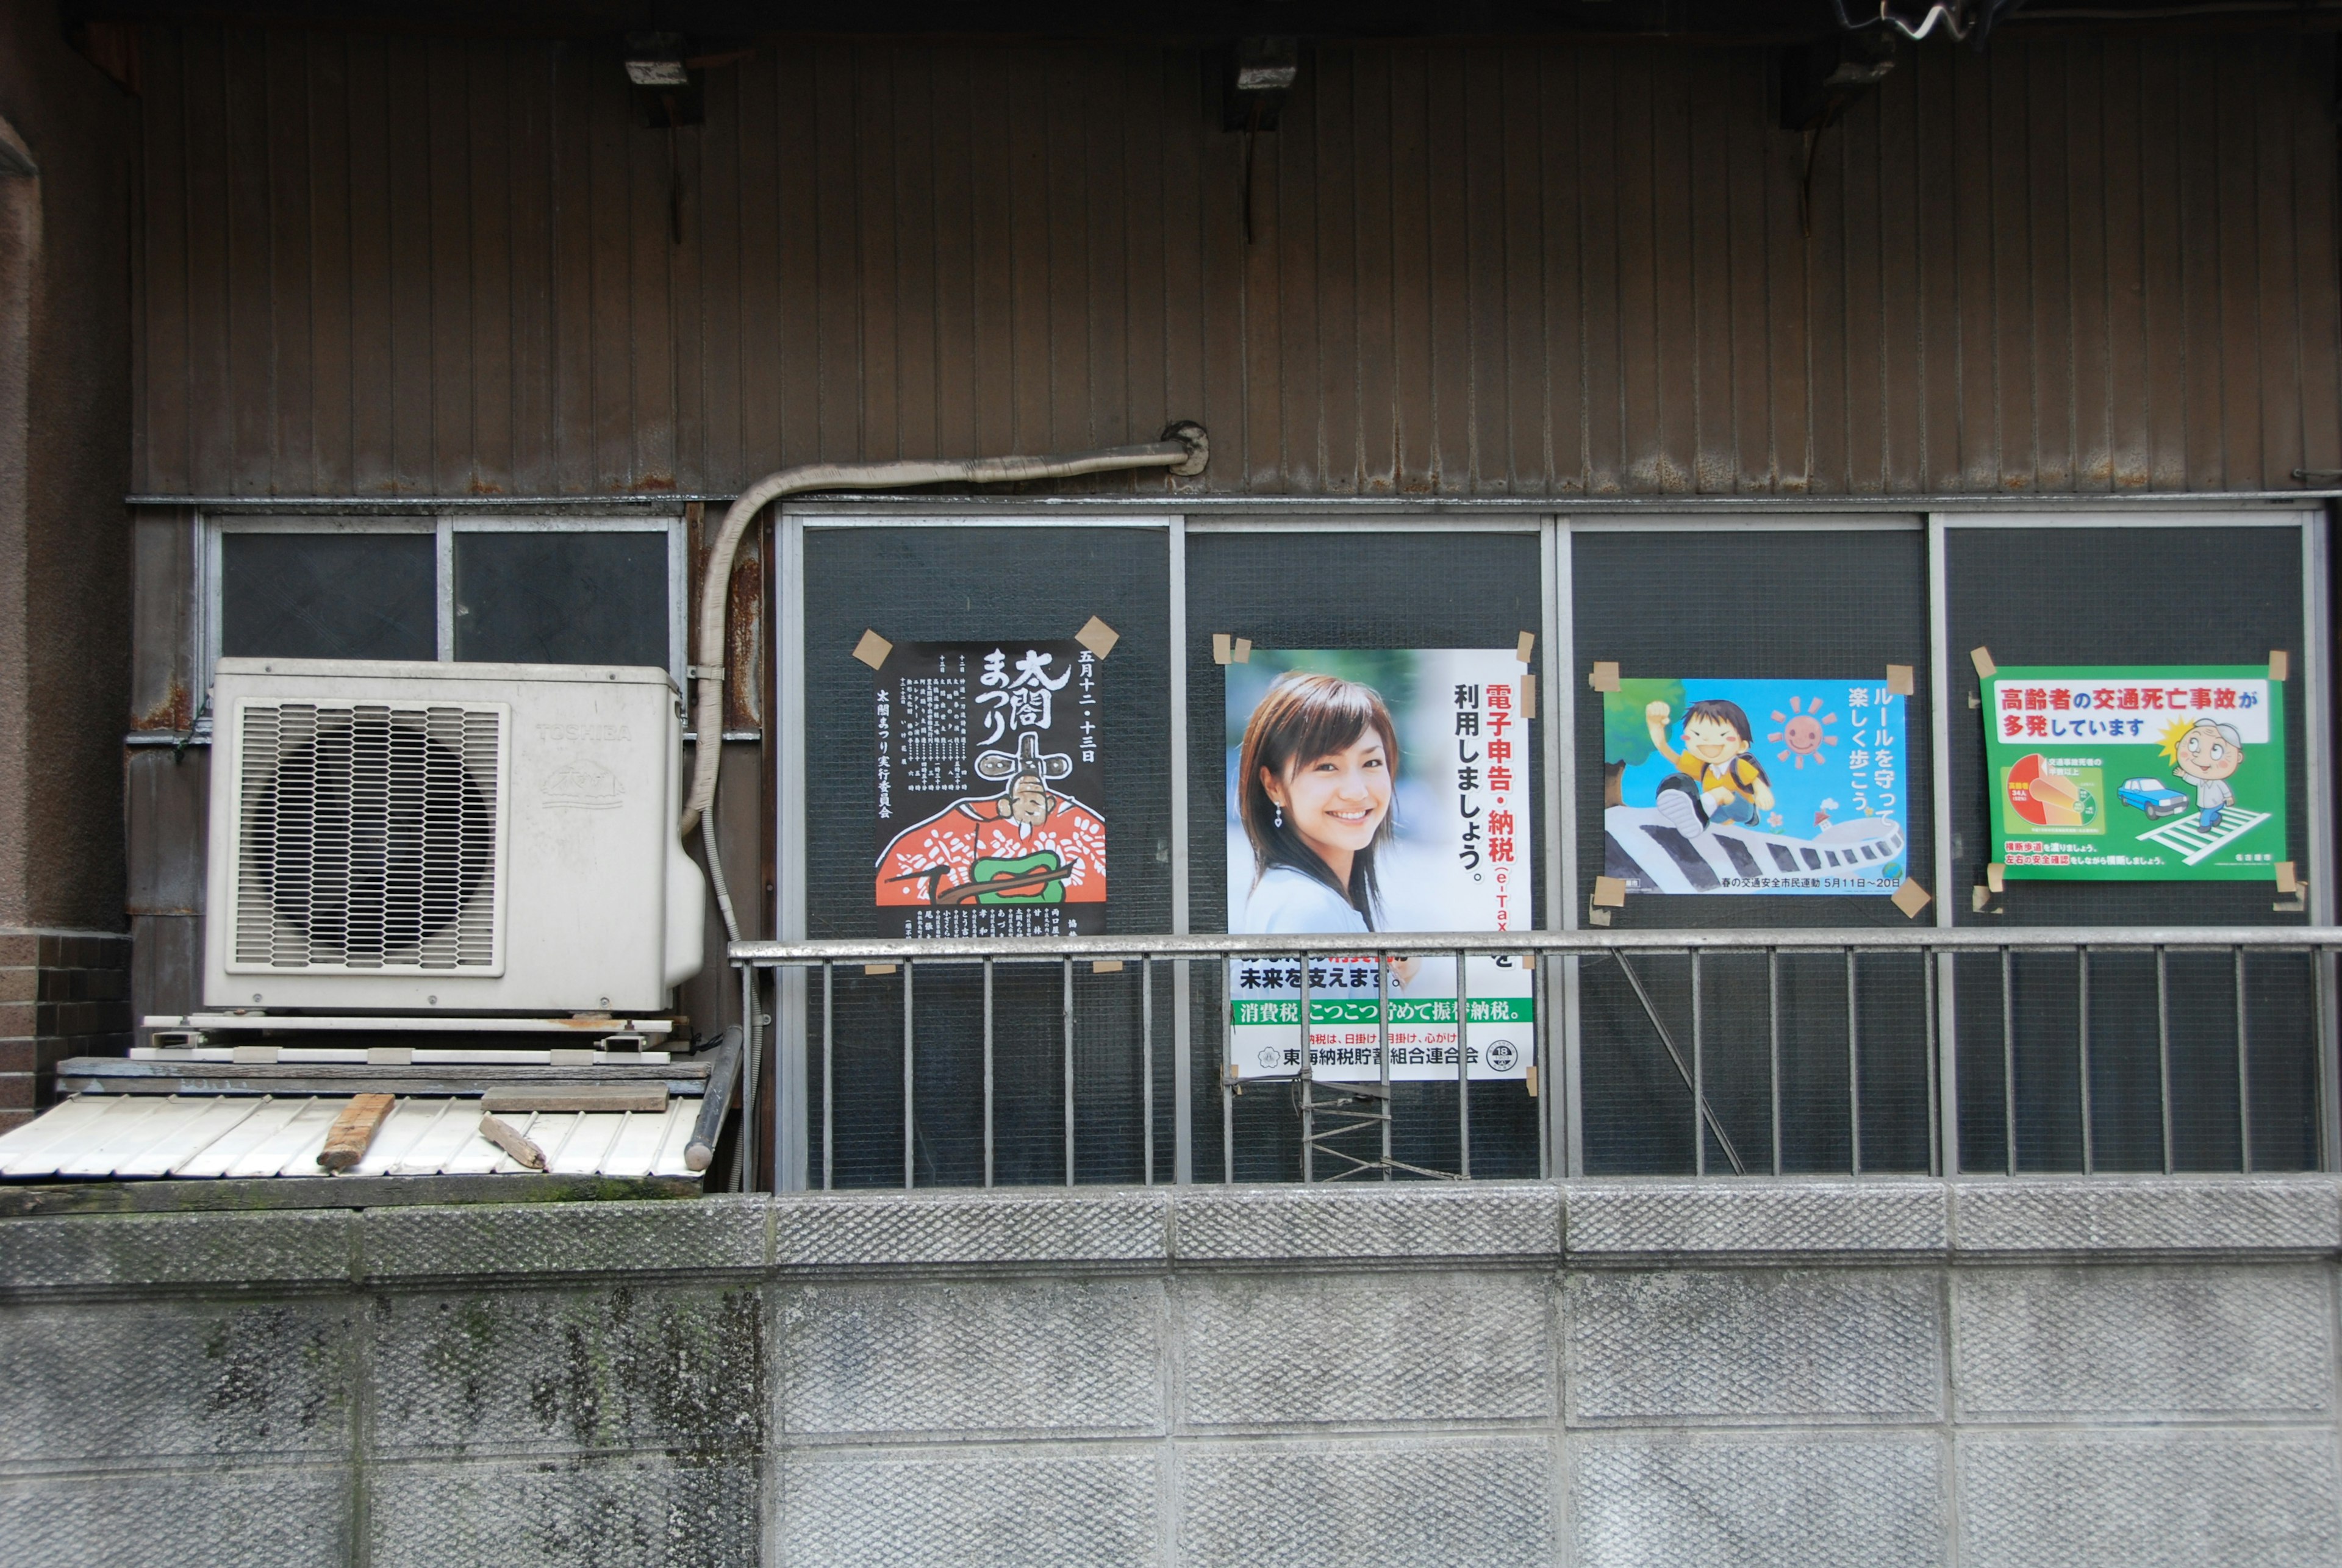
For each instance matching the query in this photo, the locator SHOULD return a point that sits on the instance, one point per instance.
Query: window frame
(442, 527)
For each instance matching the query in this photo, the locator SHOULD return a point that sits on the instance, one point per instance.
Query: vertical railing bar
(1146, 1068)
(2082, 1058)
(1852, 1066)
(1936, 1163)
(1698, 1077)
(1069, 1014)
(2163, 1046)
(909, 1085)
(2008, 1054)
(2244, 1076)
(1773, 1067)
(987, 1074)
(829, 1073)
(1382, 1051)
(1306, 1079)
(1543, 1108)
(1462, 1073)
(1228, 1083)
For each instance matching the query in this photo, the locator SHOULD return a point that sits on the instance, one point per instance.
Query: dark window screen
(2144, 596)
(1445, 589)
(937, 584)
(1757, 603)
(562, 598)
(328, 595)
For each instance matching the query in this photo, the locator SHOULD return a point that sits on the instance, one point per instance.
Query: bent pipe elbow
(1184, 450)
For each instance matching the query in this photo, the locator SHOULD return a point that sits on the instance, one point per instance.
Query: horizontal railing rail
(1676, 1013)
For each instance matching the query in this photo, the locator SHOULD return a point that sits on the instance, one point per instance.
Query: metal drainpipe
(1184, 450)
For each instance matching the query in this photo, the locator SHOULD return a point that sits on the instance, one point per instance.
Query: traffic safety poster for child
(2134, 773)
(1755, 786)
(1380, 790)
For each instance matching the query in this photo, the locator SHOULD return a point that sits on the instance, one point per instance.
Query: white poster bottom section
(1346, 1018)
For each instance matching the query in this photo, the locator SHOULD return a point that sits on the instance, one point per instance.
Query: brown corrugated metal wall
(373, 266)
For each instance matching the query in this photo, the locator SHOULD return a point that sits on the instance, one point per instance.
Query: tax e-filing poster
(2136, 772)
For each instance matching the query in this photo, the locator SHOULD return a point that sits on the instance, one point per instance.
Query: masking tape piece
(873, 649)
(1604, 677)
(1528, 696)
(1994, 877)
(1097, 636)
(1899, 681)
(1598, 917)
(1525, 646)
(1106, 967)
(1529, 1076)
(1982, 659)
(2281, 664)
(1911, 898)
(1979, 897)
(1610, 892)
(2286, 882)
(1220, 645)
(1242, 652)
(877, 969)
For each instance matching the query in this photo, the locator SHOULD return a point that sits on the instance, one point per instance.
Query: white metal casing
(592, 906)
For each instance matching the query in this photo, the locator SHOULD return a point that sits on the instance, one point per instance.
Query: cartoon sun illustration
(1802, 733)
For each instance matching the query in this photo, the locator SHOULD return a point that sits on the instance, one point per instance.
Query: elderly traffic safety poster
(990, 816)
(1374, 791)
(1756, 787)
(2136, 773)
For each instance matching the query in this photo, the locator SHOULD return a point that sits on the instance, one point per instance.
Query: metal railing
(2010, 1043)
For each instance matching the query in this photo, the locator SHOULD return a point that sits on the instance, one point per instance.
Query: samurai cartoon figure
(1027, 845)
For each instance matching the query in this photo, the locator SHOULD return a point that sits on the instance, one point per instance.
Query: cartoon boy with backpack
(1719, 781)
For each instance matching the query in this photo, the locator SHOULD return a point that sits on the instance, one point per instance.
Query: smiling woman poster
(1375, 791)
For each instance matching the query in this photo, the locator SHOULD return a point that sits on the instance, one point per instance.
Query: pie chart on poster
(2021, 798)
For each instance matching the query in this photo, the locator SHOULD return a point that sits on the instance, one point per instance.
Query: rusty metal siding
(374, 266)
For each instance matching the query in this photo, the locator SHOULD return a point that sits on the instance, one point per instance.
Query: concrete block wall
(2056, 1373)
(62, 994)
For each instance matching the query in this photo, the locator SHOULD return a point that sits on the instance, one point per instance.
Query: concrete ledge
(1051, 1225)
(1651, 1221)
(1507, 1220)
(2147, 1214)
(146, 1250)
(471, 1240)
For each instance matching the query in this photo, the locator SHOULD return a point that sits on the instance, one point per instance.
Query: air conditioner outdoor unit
(448, 838)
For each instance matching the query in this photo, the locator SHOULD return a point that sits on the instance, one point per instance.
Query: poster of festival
(1375, 791)
(2136, 773)
(990, 816)
(1756, 787)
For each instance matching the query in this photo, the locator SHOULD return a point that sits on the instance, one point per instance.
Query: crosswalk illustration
(2192, 842)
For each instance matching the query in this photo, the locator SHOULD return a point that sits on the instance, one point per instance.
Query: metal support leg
(910, 1124)
(1147, 1070)
(828, 1076)
(1068, 968)
(988, 1072)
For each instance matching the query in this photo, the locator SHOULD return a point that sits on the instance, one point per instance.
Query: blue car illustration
(2153, 796)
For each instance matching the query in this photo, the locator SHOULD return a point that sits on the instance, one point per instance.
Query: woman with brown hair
(1314, 778)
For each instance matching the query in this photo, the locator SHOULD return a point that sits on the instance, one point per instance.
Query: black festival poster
(990, 818)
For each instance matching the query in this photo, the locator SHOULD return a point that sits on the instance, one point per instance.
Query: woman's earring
(1280, 816)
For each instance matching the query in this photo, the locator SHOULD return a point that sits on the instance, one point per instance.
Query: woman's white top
(1286, 900)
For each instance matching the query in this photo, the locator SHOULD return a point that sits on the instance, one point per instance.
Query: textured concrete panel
(667, 1368)
(2148, 1214)
(1664, 1503)
(674, 1235)
(2145, 1500)
(1064, 1226)
(1614, 1218)
(176, 1248)
(2171, 1339)
(1493, 1220)
(237, 1519)
(1457, 1506)
(1351, 1349)
(972, 1355)
(1796, 1345)
(1009, 1509)
(107, 1383)
(643, 1512)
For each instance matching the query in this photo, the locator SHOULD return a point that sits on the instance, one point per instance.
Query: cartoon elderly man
(2206, 756)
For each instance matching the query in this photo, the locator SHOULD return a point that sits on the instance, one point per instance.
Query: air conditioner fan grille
(366, 837)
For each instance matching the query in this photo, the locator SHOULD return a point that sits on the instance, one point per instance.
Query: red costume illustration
(1027, 845)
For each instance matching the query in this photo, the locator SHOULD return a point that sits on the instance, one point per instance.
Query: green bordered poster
(2136, 773)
